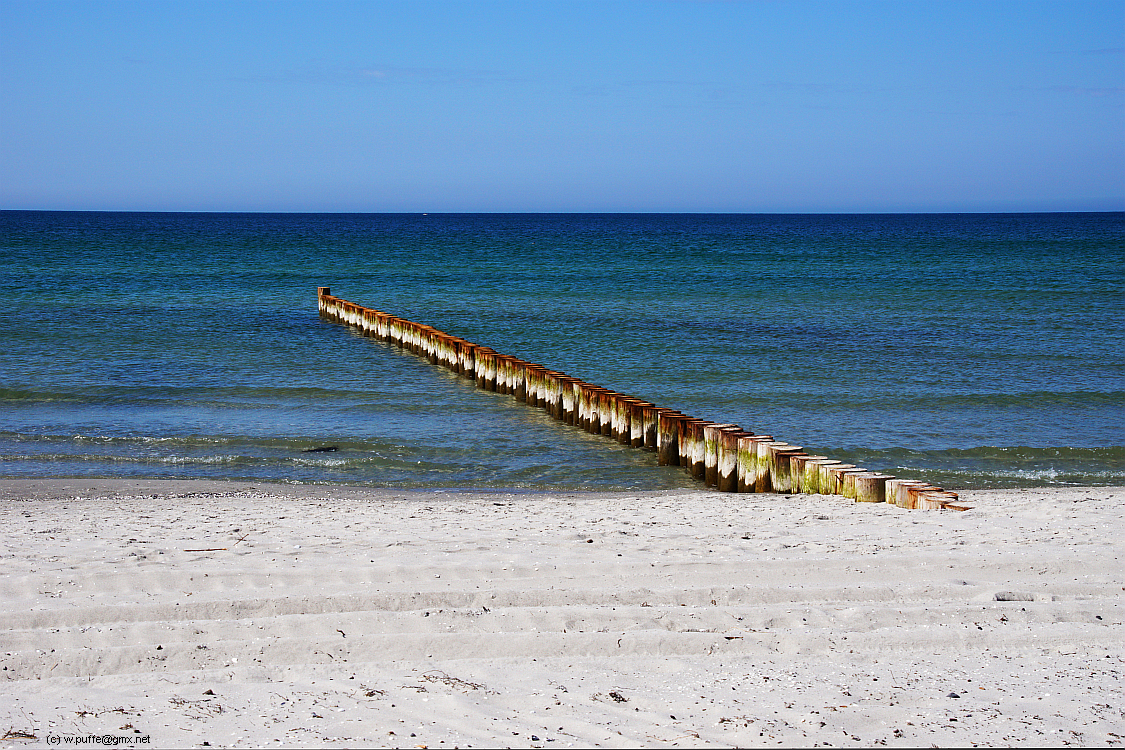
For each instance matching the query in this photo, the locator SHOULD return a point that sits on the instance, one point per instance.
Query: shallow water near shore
(970, 350)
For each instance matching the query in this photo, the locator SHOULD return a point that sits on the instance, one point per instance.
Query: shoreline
(240, 613)
(108, 485)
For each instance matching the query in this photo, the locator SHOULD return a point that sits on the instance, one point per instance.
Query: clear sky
(573, 106)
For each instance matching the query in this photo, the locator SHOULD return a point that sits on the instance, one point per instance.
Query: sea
(970, 350)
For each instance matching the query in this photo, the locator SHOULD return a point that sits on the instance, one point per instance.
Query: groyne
(721, 455)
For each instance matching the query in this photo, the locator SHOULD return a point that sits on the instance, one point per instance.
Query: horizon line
(557, 213)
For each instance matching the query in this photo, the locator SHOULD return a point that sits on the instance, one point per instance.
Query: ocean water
(970, 350)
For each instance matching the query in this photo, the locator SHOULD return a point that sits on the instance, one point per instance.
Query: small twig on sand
(220, 549)
(18, 734)
(437, 675)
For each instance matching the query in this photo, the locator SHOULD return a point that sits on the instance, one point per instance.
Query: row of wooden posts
(723, 456)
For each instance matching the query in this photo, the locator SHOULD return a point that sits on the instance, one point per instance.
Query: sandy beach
(218, 614)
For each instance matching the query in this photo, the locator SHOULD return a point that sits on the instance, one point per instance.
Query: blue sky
(539, 106)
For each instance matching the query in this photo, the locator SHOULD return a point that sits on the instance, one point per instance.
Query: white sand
(347, 617)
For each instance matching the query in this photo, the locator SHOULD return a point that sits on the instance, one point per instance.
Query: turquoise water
(971, 350)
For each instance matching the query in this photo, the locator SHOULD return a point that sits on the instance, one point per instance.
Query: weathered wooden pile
(723, 456)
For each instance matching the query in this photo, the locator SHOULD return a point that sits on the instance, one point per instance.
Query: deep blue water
(972, 350)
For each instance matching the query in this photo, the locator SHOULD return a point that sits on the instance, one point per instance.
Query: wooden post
(594, 424)
(637, 423)
(491, 372)
(762, 481)
(468, 364)
(519, 379)
(815, 471)
(711, 452)
(941, 501)
(849, 475)
(896, 491)
(486, 368)
(443, 345)
(914, 493)
(828, 484)
(797, 464)
(698, 466)
(596, 415)
(613, 411)
(525, 385)
(779, 466)
(871, 487)
(578, 388)
(416, 339)
(553, 382)
(447, 352)
(408, 335)
(727, 459)
(563, 393)
(607, 408)
(544, 385)
(935, 499)
(533, 376)
(552, 393)
(594, 404)
(836, 476)
(597, 409)
(634, 422)
(542, 388)
(581, 403)
(503, 373)
(431, 340)
(615, 406)
(668, 447)
(649, 418)
(462, 358)
(691, 431)
(425, 339)
(567, 399)
(625, 419)
(746, 470)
